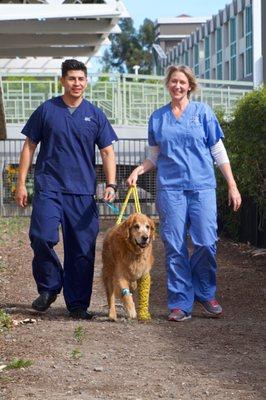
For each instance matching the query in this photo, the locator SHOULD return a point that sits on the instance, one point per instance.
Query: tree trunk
(2, 117)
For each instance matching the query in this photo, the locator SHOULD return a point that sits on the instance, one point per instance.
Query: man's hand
(109, 194)
(21, 196)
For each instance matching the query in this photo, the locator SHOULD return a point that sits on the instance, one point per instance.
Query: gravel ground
(202, 358)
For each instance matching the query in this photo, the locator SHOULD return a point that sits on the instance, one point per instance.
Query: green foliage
(10, 182)
(2, 264)
(79, 333)
(18, 363)
(130, 48)
(76, 354)
(5, 321)
(11, 227)
(246, 146)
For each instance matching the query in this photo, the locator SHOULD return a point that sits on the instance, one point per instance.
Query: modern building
(171, 31)
(229, 46)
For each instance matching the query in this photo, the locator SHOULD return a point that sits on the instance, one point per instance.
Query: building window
(233, 49)
(196, 59)
(185, 57)
(207, 57)
(248, 36)
(219, 54)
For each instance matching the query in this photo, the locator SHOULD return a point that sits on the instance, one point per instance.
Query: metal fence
(125, 99)
(129, 153)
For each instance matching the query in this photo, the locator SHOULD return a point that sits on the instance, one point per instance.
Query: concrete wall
(125, 132)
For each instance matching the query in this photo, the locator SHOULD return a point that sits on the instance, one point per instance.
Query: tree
(130, 48)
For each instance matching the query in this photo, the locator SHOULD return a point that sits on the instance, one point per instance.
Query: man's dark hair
(73, 64)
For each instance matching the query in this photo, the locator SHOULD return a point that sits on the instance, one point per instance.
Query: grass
(76, 354)
(12, 226)
(18, 363)
(2, 265)
(5, 321)
(79, 333)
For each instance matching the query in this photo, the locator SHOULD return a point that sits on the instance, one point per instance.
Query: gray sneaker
(178, 315)
(211, 307)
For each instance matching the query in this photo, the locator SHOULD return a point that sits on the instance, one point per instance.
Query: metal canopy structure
(54, 29)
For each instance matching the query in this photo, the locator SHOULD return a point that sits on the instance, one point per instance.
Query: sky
(153, 9)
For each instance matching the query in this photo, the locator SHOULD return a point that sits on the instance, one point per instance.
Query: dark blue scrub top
(66, 161)
(184, 159)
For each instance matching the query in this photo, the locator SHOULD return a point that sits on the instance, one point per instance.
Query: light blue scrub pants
(189, 278)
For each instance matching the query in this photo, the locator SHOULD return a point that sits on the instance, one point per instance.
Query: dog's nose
(144, 238)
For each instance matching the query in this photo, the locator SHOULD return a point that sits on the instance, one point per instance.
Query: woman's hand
(133, 177)
(234, 197)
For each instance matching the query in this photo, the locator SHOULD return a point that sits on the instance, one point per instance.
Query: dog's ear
(152, 225)
(124, 228)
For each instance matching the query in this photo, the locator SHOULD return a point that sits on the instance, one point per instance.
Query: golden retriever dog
(127, 256)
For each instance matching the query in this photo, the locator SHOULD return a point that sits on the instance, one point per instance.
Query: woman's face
(178, 86)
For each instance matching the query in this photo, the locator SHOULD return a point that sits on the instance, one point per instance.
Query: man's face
(74, 83)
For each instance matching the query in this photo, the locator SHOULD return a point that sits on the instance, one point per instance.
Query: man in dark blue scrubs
(67, 127)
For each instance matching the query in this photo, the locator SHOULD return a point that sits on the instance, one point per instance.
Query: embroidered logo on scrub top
(195, 119)
(87, 119)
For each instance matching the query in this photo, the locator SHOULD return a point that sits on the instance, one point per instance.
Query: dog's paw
(112, 316)
(131, 314)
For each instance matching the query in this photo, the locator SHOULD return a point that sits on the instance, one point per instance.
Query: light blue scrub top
(184, 160)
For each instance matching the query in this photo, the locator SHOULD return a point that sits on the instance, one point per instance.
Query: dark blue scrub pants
(189, 278)
(78, 216)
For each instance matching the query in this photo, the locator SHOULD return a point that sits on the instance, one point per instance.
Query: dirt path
(202, 358)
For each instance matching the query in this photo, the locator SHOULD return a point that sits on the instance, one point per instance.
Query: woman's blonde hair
(187, 71)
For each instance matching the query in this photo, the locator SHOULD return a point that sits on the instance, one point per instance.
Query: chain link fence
(129, 154)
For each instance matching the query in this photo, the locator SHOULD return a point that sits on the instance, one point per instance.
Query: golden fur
(127, 256)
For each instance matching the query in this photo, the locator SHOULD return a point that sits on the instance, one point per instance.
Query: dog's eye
(147, 227)
(136, 226)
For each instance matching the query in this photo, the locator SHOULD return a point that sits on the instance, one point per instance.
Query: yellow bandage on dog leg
(144, 284)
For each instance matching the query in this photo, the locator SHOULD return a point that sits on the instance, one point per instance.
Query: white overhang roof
(56, 30)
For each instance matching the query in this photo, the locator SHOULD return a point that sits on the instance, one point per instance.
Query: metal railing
(129, 153)
(125, 99)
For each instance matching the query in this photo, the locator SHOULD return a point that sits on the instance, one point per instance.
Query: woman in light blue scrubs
(185, 141)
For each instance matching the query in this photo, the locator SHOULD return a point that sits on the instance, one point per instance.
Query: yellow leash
(145, 281)
(134, 190)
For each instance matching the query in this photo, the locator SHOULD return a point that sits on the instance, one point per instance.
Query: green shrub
(246, 147)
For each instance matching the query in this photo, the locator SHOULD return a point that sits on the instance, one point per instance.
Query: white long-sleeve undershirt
(218, 152)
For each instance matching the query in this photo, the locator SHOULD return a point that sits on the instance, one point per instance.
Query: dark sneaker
(178, 315)
(80, 314)
(43, 302)
(211, 307)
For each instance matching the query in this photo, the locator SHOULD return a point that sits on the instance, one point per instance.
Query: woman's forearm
(228, 174)
(146, 166)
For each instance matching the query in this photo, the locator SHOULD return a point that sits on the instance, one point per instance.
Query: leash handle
(110, 205)
(134, 190)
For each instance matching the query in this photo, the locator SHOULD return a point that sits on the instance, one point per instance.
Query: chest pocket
(88, 129)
